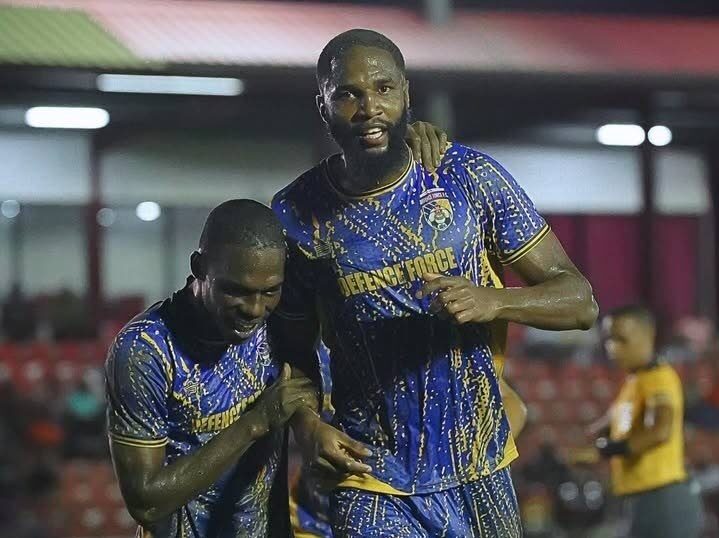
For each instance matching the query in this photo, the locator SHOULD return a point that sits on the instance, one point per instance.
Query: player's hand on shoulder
(278, 403)
(332, 452)
(427, 142)
(459, 299)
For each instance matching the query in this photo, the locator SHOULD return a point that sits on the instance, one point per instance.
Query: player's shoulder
(466, 156)
(146, 335)
(299, 192)
(468, 164)
(662, 374)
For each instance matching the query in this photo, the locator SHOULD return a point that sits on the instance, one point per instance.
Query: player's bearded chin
(370, 163)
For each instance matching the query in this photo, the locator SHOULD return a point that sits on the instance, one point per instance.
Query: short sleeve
(138, 380)
(662, 386)
(513, 224)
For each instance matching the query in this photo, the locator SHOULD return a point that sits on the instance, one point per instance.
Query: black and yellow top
(663, 464)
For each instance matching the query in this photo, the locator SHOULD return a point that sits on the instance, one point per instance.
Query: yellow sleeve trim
(527, 246)
(140, 443)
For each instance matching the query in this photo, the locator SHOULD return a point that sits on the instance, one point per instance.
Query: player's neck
(203, 331)
(647, 364)
(358, 176)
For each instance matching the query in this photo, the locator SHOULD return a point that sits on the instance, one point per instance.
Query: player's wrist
(304, 423)
(305, 418)
(493, 305)
(609, 448)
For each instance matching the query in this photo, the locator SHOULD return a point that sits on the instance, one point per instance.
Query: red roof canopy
(283, 34)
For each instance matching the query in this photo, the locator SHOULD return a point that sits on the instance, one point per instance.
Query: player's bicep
(134, 468)
(137, 374)
(513, 226)
(546, 260)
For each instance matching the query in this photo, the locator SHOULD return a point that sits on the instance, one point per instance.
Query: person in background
(642, 433)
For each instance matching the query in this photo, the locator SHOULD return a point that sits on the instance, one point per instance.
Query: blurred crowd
(40, 429)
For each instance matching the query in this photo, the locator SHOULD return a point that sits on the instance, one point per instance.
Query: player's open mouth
(245, 326)
(376, 136)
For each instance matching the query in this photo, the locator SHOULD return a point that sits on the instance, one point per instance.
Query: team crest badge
(192, 385)
(263, 354)
(436, 209)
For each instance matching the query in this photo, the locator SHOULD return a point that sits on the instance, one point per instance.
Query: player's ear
(321, 107)
(197, 265)
(406, 94)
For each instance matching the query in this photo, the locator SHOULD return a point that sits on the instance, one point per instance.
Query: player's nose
(369, 106)
(252, 307)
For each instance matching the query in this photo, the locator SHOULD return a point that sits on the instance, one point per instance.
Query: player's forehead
(621, 326)
(248, 266)
(361, 64)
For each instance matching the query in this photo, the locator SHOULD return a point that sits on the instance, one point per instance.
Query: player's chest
(433, 229)
(209, 397)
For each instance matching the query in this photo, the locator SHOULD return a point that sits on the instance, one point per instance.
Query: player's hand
(279, 402)
(427, 142)
(331, 452)
(459, 299)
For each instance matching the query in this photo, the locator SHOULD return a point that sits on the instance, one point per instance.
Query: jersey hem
(375, 485)
(648, 488)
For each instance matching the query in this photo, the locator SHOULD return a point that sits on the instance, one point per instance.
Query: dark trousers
(672, 511)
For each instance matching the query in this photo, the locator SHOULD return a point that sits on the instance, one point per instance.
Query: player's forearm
(561, 303)
(173, 485)
(303, 424)
(644, 440)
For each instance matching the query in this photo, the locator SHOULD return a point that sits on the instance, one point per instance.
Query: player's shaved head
(239, 268)
(357, 37)
(243, 223)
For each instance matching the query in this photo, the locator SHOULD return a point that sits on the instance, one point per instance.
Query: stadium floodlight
(10, 209)
(165, 84)
(67, 117)
(106, 217)
(620, 134)
(148, 211)
(660, 135)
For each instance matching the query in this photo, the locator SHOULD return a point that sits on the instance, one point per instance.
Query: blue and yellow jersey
(161, 393)
(421, 392)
